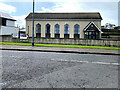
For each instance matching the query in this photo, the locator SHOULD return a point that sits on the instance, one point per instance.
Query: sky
(19, 9)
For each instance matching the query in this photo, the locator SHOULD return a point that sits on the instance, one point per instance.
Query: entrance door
(92, 35)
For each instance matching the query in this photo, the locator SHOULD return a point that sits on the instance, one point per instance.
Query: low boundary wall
(100, 42)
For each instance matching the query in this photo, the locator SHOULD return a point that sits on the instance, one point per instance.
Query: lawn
(56, 45)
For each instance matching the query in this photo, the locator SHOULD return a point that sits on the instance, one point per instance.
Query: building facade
(7, 25)
(65, 25)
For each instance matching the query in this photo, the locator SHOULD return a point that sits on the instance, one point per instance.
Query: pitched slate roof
(87, 15)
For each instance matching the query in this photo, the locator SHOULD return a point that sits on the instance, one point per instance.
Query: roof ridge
(63, 12)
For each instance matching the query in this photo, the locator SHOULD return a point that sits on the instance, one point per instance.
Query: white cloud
(60, 0)
(65, 6)
(68, 7)
(7, 8)
(46, 9)
(20, 20)
(10, 9)
(109, 20)
(76, 6)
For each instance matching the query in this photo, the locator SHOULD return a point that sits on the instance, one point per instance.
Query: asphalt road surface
(31, 69)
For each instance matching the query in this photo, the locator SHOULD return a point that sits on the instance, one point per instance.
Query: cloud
(60, 0)
(20, 20)
(46, 9)
(7, 8)
(109, 20)
(10, 9)
(104, 8)
(68, 7)
(65, 6)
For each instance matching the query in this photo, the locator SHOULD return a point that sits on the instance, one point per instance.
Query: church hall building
(65, 25)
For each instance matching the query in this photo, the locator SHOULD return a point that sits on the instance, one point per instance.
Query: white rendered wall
(9, 31)
(10, 23)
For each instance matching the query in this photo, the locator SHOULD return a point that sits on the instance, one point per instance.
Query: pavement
(60, 49)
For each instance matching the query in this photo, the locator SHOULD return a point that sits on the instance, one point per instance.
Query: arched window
(76, 29)
(57, 29)
(38, 28)
(47, 28)
(66, 29)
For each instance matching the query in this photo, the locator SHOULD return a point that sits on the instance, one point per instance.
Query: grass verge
(56, 45)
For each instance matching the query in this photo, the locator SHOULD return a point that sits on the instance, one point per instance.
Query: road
(31, 69)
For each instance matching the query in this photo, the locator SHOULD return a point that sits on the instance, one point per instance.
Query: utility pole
(33, 25)
(119, 13)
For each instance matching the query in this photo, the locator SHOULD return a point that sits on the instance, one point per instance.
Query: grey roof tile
(87, 15)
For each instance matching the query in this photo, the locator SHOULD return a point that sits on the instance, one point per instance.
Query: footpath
(59, 49)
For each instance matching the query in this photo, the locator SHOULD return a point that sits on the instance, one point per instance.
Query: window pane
(57, 29)
(96, 33)
(66, 29)
(38, 28)
(89, 33)
(3, 21)
(48, 29)
(89, 37)
(76, 29)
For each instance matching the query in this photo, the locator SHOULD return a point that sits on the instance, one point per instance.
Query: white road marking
(103, 63)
